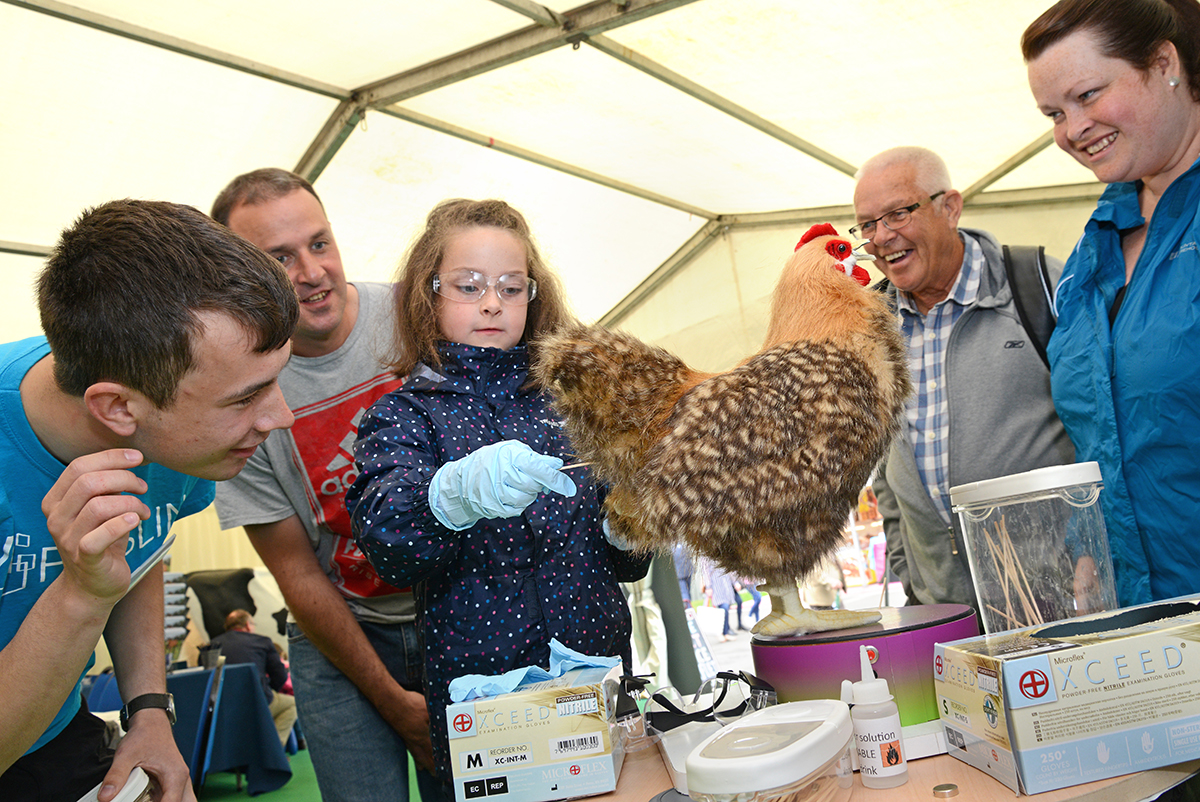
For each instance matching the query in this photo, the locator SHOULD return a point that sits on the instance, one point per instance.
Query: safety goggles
(723, 699)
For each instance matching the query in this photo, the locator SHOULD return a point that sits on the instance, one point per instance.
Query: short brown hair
(120, 295)
(237, 618)
(258, 186)
(1131, 30)
(417, 329)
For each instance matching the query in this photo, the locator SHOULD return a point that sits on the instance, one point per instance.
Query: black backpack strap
(1025, 266)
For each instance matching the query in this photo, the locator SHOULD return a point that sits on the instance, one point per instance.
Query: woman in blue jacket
(460, 492)
(1120, 80)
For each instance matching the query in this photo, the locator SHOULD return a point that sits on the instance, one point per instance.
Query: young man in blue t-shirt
(164, 338)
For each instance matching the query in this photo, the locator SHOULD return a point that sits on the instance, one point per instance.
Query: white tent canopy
(667, 153)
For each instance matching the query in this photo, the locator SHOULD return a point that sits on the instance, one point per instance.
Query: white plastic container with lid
(774, 753)
(138, 788)
(1037, 545)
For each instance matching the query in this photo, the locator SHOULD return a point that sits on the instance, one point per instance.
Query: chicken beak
(850, 267)
(853, 259)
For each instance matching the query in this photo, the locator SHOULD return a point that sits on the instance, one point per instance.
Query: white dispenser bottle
(876, 720)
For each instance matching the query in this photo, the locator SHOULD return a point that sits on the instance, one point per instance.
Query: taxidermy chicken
(758, 467)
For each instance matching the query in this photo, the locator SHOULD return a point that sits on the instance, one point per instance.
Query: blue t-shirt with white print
(29, 561)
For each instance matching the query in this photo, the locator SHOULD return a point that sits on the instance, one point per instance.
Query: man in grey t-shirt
(355, 658)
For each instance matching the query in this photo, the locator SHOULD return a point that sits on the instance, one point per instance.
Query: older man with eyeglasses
(982, 406)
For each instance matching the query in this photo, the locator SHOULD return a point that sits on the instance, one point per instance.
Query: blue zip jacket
(490, 598)
(1129, 395)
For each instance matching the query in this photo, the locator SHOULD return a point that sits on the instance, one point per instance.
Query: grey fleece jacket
(1002, 421)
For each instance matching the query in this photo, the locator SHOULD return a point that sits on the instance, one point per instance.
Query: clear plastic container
(793, 751)
(1037, 546)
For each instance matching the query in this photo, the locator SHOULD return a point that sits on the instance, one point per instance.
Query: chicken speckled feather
(757, 467)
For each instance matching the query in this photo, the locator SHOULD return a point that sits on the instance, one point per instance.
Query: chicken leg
(790, 617)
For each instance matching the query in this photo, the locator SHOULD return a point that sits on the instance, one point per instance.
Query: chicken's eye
(839, 249)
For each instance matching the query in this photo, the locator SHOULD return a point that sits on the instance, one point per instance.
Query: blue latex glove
(616, 541)
(497, 481)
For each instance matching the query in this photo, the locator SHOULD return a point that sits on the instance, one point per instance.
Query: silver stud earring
(1174, 82)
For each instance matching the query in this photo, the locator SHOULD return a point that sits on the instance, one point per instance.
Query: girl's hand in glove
(497, 481)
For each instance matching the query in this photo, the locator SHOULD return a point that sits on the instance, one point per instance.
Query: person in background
(982, 407)
(287, 683)
(355, 655)
(459, 491)
(239, 644)
(720, 589)
(822, 587)
(649, 634)
(685, 567)
(751, 587)
(1120, 81)
(165, 335)
(877, 557)
(737, 603)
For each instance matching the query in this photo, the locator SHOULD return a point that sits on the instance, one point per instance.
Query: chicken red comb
(819, 230)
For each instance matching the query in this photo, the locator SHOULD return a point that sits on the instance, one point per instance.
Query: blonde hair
(417, 329)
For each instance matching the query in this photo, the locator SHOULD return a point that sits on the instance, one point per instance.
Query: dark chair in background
(104, 695)
(193, 690)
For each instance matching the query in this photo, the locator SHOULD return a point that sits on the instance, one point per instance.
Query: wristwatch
(163, 701)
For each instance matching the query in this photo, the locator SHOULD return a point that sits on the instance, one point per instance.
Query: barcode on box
(576, 745)
(989, 680)
(576, 705)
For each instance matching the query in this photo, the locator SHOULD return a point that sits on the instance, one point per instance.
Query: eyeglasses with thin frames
(893, 220)
(469, 287)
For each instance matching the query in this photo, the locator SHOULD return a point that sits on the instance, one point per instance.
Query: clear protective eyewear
(732, 695)
(631, 722)
(737, 694)
(469, 287)
(893, 220)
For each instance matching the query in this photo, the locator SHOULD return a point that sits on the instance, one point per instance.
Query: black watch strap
(163, 701)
